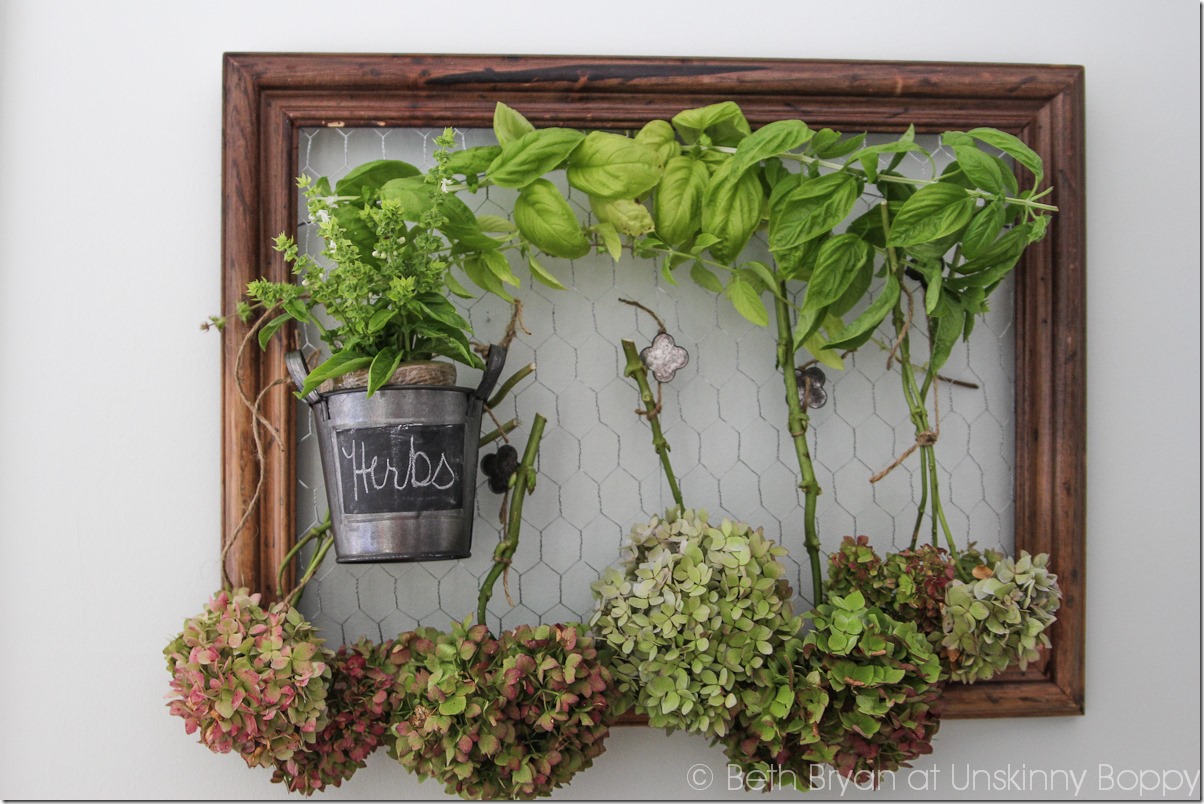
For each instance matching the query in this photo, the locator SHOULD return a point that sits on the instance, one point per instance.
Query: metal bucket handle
(495, 361)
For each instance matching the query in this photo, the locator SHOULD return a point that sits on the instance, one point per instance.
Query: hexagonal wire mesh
(724, 415)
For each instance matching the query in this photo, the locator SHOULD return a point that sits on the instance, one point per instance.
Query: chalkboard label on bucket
(401, 468)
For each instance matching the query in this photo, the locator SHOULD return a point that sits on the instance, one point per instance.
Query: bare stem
(524, 483)
(637, 371)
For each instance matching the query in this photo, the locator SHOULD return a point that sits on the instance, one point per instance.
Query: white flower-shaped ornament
(664, 357)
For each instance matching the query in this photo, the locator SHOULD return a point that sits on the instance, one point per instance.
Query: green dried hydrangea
(514, 717)
(772, 737)
(363, 693)
(691, 613)
(249, 679)
(441, 726)
(908, 585)
(1001, 619)
(883, 683)
(973, 564)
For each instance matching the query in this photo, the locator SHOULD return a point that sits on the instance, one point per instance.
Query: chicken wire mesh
(724, 416)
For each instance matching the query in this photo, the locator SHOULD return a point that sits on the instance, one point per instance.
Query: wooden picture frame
(269, 97)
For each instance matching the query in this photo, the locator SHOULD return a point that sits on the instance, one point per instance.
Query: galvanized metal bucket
(400, 466)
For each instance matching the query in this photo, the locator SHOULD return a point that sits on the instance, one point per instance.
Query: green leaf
(660, 137)
(541, 274)
(383, 365)
(461, 226)
(455, 287)
(837, 266)
(380, 319)
(544, 217)
(611, 240)
(499, 266)
(980, 168)
(678, 202)
(949, 320)
(747, 301)
(723, 122)
(812, 209)
(509, 125)
(337, 365)
(856, 289)
(829, 357)
(438, 308)
(731, 210)
(1014, 148)
(1004, 251)
(932, 213)
(832, 146)
(613, 166)
(983, 229)
(373, 176)
(861, 329)
(772, 139)
(868, 157)
(704, 278)
(482, 277)
(473, 161)
(526, 159)
(270, 328)
(763, 275)
(412, 193)
(627, 216)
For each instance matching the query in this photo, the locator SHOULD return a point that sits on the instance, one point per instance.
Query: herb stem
(637, 371)
(797, 422)
(524, 483)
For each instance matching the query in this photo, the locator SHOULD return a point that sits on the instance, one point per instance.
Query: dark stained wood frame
(268, 97)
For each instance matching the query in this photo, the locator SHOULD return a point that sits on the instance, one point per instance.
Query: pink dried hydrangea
(363, 694)
(249, 679)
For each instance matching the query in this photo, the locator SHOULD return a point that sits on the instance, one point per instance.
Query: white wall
(110, 126)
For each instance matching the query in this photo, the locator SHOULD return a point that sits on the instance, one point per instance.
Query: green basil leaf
(542, 275)
(829, 357)
(383, 365)
(627, 216)
(861, 329)
(380, 319)
(412, 193)
(1006, 249)
(764, 276)
(509, 125)
(660, 137)
(932, 213)
(772, 139)
(473, 161)
(337, 365)
(949, 318)
(868, 157)
(610, 240)
(438, 308)
(980, 168)
(544, 218)
(747, 301)
(613, 166)
(838, 147)
(813, 208)
(863, 276)
(731, 210)
(836, 267)
(462, 226)
(482, 277)
(499, 266)
(272, 327)
(678, 202)
(1014, 148)
(983, 229)
(496, 223)
(455, 287)
(705, 278)
(723, 122)
(526, 159)
(372, 176)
